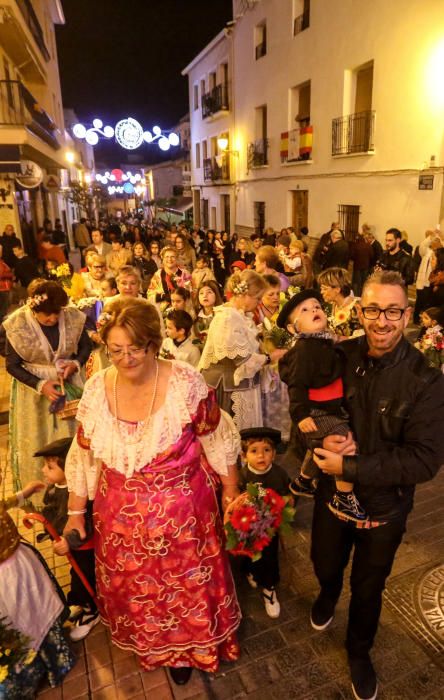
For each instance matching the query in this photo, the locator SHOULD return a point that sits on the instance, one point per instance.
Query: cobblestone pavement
(286, 658)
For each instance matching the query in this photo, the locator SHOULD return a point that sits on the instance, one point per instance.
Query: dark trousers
(358, 279)
(326, 424)
(78, 595)
(374, 551)
(265, 570)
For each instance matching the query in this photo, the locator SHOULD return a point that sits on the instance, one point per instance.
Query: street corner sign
(52, 183)
(30, 176)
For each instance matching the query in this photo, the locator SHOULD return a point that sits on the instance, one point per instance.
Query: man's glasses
(118, 355)
(372, 313)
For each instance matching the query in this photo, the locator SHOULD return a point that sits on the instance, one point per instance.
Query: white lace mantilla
(232, 334)
(127, 447)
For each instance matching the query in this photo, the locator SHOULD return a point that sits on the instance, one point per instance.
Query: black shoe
(347, 507)
(181, 675)
(322, 613)
(302, 487)
(364, 681)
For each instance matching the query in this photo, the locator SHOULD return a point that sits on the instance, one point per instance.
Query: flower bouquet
(15, 650)
(253, 518)
(432, 346)
(63, 274)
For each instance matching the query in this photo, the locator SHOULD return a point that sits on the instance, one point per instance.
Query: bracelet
(77, 512)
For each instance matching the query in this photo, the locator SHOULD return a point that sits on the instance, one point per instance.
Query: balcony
(217, 168)
(215, 101)
(19, 108)
(261, 50)
(297, 145)
(21, 37)
(257, 153)
(353, 133)
(34, 26)
(302, 22)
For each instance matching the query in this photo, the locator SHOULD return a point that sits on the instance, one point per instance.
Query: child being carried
(313, 369)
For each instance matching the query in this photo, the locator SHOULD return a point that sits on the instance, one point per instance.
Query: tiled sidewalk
(286, 658)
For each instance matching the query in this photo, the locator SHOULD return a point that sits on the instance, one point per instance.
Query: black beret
(261, 434)
(294, 302)
(58, 448)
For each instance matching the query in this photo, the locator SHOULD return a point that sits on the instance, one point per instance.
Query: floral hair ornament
(103, 319)
(36, 300)
(241, 288)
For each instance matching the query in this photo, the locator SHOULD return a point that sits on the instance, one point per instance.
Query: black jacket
(311, 364)
(396, 407)
(402, 262)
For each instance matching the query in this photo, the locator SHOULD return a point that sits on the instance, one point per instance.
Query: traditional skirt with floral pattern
(163, 578)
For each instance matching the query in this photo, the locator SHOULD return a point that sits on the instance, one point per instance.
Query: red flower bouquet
(253, 518)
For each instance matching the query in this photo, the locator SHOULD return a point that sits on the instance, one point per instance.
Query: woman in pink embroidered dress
(152, 449)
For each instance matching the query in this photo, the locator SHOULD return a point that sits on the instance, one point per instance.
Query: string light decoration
(118, 182)
(128, 133)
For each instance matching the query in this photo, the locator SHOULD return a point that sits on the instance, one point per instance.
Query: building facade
(213, 162)
(32, 130)
(337, 113)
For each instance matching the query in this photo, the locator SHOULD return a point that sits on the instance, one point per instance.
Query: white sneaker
(272, 607)
(84, 624)
(251, 581)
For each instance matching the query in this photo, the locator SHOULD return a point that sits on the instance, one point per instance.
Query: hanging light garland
(128, 133)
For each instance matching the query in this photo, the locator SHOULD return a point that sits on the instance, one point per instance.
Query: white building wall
(210, 60)
(404, 39)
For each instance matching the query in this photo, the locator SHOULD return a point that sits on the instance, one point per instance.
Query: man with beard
(395, 402)
(395, 258)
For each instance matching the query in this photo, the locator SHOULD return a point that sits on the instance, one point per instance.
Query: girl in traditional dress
(150, 443)
(208, 297)
(231, 359)
(45, 340)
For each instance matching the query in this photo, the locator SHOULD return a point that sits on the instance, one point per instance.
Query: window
(202, 89)
(197, 155)
(348, 215)
(211, 81)
(300, 98)
(354, 131)
(301, 16)
(257, 154)
(259, 217)
(204, 213)
(260, 40)
(196, 97)
(204, 150)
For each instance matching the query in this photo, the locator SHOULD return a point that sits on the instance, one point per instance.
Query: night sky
(121, 58)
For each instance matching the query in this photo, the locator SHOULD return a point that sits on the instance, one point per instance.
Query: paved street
(286, 658)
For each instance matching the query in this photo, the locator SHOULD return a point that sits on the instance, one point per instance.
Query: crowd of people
(152, 384)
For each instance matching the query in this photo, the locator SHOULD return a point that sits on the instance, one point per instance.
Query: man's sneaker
(84, 625)
(272, 607)
(251, 581)
(347, 507)
(299, 488)
(364, 681)
(74, 612)
(322, 613)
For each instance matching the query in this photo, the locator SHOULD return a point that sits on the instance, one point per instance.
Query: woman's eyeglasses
(118, 355)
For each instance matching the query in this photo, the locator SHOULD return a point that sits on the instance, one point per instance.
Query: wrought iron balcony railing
(353, 133)
(215, 101)
(34, 26)
(18, 107)
(257, 153)
(217, 168)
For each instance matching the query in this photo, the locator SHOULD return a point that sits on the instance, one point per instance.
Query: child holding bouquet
(259, 450)
(431, 338)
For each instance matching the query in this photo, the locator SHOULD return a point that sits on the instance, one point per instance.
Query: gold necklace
(148, 416)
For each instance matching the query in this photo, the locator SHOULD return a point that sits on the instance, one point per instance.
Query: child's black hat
(261, 434)
(297, 299)
(58, 448)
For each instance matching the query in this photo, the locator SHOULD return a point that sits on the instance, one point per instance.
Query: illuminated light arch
(128, 132)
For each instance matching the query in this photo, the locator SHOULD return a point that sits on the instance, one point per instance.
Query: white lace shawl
(115, 445)
(232, 334)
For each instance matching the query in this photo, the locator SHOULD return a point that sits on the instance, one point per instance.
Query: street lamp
(222, 143)
(70, 156)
